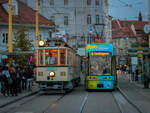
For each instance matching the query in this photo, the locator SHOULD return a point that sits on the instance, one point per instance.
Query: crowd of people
(15, 79)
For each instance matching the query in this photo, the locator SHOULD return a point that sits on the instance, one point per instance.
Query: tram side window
(40, 57)
(69, 58)
(62, 56)
(51, 57)
(72, 58)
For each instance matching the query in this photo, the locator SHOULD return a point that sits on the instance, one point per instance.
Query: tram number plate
(100, 85)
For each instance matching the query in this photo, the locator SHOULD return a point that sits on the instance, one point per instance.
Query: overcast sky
(128, 9)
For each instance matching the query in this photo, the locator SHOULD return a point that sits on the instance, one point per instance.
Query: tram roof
(55, 47)
(99, 47)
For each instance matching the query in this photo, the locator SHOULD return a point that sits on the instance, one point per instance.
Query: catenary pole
(37, 32)
(10, 49)
(149, 23)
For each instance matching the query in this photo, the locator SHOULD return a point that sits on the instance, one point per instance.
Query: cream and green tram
(58, 68)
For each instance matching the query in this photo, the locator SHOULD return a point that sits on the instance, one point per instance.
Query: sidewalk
(135, 93)
(11, 99)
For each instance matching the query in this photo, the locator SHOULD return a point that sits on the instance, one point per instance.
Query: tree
(22, 43)
(141, 44)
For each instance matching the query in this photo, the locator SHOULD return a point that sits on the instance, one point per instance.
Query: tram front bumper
(91, 84)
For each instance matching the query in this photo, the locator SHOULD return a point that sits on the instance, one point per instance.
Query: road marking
(83, 103)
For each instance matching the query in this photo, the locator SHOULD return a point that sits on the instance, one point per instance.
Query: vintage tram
(58, 66)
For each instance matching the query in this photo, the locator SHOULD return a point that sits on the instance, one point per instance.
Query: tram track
(21, 103)
(124, 103)
(83, 103)
(53, 104)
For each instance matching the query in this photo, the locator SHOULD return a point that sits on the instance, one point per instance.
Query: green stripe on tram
(51, 81)
(55, 66)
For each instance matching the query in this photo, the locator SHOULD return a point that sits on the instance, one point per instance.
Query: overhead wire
(129, 5)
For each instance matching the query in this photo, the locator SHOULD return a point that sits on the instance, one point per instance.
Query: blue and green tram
(101, 67)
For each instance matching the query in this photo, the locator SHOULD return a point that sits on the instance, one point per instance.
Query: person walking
(0, 81)
(146, 81)
(13, 75)
(29, 78)
(24, 78)
(136, 76)
(19, 78)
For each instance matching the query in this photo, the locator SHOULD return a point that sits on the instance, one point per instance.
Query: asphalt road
(77, 101)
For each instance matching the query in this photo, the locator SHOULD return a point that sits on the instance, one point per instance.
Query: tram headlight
(41, 43)
(52, 74)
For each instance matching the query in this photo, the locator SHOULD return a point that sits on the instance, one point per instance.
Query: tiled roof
(26, 15)
(3, 1)
(122, 28)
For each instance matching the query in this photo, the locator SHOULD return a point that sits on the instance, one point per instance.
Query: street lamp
(96, 30)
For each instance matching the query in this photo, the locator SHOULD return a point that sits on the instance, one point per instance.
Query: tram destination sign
(99, 53)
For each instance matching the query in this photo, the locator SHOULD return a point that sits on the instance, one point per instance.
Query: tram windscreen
(100, 63)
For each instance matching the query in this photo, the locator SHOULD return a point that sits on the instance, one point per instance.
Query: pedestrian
(146, 81)
(13, 75)
(34, 71)
(24, 78)
(29, 78)
(136, 76)
(0, 81)
(19, 78)
(6, 81)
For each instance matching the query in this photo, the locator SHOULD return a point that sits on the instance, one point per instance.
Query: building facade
(75, 18)
(124, 34)
(22, 15)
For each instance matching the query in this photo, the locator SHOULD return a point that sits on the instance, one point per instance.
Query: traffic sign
(91, 30)
(147, 28)
(140, 54)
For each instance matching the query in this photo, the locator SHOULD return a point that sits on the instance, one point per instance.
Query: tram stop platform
(4, 101)
(135, 93)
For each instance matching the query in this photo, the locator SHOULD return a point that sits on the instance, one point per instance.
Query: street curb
(129, 100)
(19, 98)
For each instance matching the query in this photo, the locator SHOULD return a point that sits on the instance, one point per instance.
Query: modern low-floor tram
(101, 67)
